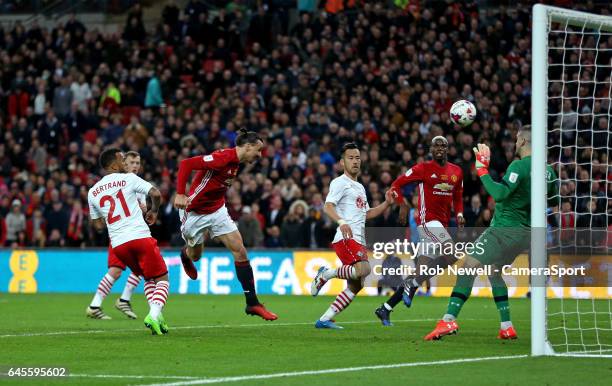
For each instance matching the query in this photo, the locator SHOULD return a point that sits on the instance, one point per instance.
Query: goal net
(571, 106)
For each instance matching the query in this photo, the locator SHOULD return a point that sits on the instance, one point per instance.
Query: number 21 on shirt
(112, 218)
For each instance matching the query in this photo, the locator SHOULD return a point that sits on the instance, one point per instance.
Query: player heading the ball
(204, 211)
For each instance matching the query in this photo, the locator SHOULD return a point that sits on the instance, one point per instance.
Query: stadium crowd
(375, 74)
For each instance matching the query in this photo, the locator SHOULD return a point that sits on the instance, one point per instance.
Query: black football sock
(245, 276)
(396, 297)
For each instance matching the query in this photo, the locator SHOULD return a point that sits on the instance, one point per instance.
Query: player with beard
(204, 211)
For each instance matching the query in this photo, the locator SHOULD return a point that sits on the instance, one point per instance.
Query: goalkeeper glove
(483, 157)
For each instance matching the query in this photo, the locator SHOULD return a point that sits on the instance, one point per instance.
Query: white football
(463, 113)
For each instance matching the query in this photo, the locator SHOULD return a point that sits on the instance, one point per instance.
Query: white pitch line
(251, 325)
(86, 332)
(205, 381)
(132, 376)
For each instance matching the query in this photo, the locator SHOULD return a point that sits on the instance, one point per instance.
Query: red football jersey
(440, 190)
(216, 171)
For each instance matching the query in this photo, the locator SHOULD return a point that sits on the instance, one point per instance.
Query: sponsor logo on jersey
(434, 176)
(444, 186)
(360, 202)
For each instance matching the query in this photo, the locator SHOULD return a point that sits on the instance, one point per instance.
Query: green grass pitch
(212, 340)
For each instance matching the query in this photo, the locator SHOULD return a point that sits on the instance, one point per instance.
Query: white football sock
(103, 289)
(449, 318)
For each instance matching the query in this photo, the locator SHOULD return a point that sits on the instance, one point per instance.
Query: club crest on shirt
(454, 178)
(360, 202)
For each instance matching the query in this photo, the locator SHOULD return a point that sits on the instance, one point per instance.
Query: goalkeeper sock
(460, 294)
(345, 272)
(394, 299)
(103, 289)
(244, 271)
(500, 295)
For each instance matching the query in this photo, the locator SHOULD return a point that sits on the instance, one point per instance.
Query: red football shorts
(113, 260)
(350, 251)
(143, 257)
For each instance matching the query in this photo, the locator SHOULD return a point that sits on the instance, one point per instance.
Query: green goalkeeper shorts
(500, 246)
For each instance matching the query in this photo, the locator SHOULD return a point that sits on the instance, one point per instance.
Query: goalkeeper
(506, 238)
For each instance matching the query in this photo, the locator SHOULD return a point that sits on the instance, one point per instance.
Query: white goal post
(548, 21)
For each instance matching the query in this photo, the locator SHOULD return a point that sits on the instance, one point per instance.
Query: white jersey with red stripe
(114, 198)
(349, 197)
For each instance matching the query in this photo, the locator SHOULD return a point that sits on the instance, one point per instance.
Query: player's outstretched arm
(390, 196)
(213, 161)
(414, 174)
(499, 191)
(187, 166)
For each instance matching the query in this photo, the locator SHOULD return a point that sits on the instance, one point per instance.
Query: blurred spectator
(62, 98)
(75, 234)
(275, 213)
(57, 218)
(154, 92)
(317, 233)
(250, 229)
(273, 238)
(15, 223)
(111, 97)
(36, 229)
(292, 230)
(134, 27)
(81, 92)
(472, 212)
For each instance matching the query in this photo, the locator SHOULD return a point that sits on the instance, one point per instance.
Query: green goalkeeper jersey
(513, 195)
